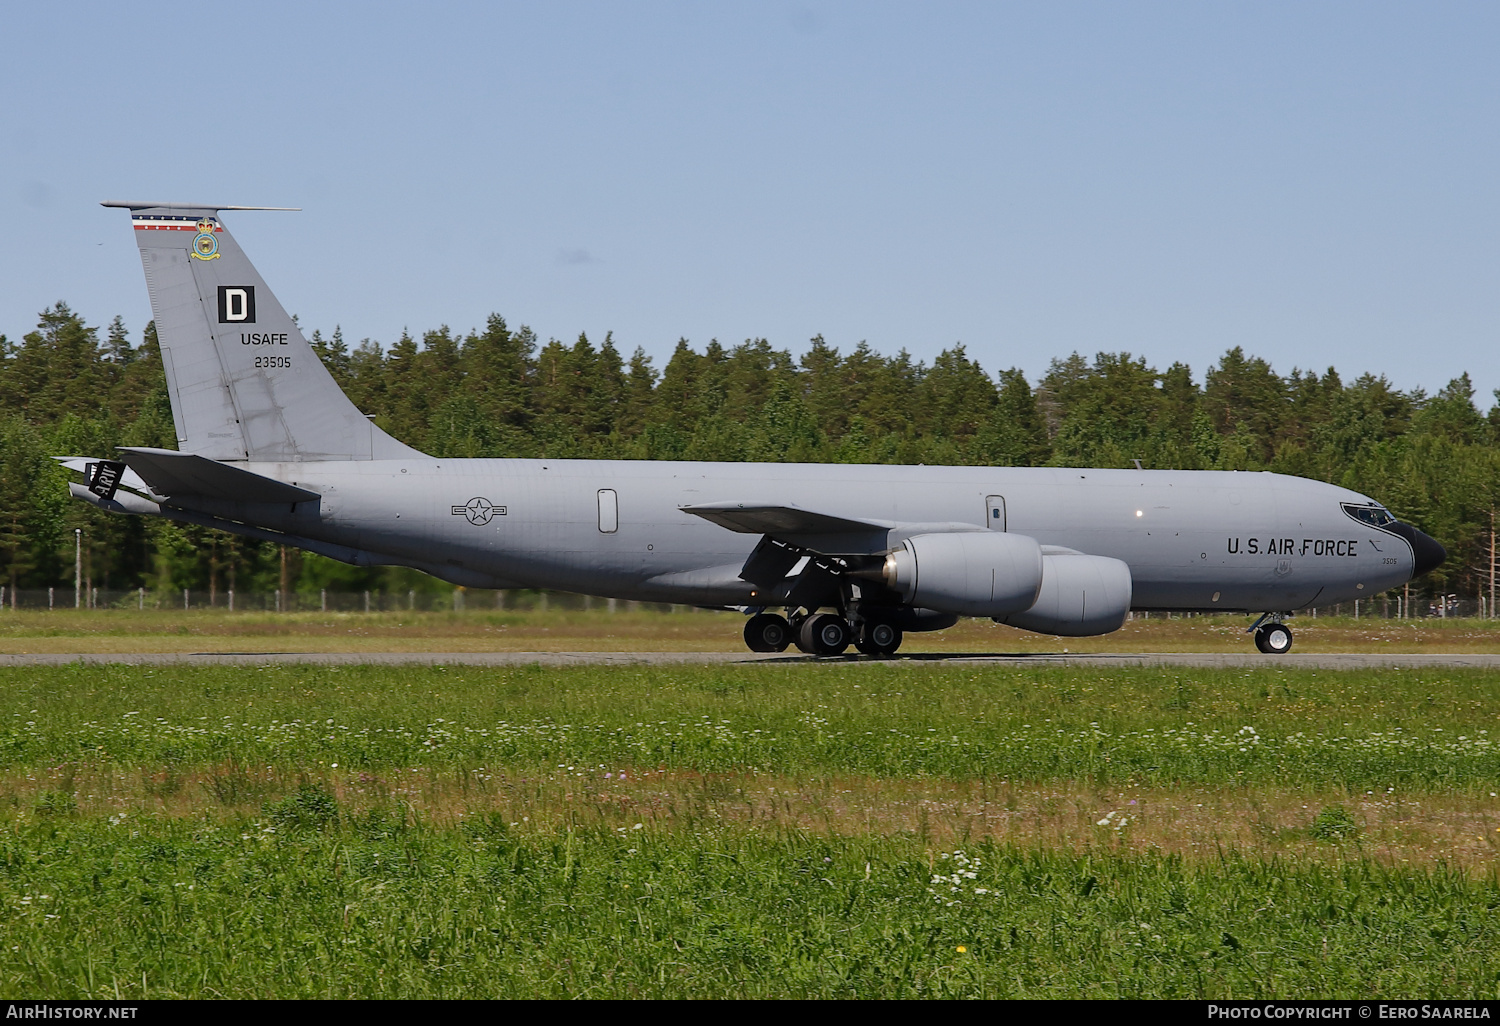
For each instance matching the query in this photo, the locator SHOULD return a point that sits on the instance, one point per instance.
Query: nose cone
(1427, 554)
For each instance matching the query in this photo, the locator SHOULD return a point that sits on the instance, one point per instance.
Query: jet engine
(978, 573)
(1080, 596)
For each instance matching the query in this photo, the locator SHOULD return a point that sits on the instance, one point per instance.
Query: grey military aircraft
(269, 447)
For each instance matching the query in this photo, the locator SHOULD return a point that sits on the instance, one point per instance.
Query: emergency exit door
(994, 512)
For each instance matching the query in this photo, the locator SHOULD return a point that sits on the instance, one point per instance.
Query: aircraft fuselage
(1194, 540)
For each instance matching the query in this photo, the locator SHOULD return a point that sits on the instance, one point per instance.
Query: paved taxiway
(1213, 660)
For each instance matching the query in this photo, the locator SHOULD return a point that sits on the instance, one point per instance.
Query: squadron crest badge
(205, 246)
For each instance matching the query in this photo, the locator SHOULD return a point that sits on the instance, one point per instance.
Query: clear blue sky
(1316, 182)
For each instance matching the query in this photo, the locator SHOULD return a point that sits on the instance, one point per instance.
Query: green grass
(362, 831)
(1425, 728)
(378, 908)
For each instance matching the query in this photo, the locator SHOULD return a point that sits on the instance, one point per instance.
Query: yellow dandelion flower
(961, 949)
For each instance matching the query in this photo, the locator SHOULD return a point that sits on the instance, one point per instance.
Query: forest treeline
(71, 388)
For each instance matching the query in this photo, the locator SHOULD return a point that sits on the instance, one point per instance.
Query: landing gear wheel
(1274, 639)
(796, 623)
(878, 639)
(826, 634)
(767, 632)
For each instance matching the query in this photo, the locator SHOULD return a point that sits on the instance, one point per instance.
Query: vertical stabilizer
(244, 383)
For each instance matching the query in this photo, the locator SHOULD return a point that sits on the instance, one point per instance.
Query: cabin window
(609, 511)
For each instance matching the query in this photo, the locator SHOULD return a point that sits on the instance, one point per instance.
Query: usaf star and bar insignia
(479, 510)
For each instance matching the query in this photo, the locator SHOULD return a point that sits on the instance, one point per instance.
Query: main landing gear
(877, 638)
(1271, 635)
(824, 634)
(767, 632)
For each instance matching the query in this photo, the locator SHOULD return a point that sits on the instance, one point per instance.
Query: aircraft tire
(1274, 639)
(879, 639)
(767, 632)
(797, 623)
(826, 634)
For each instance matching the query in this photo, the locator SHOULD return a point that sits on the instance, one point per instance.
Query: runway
(1203, 660)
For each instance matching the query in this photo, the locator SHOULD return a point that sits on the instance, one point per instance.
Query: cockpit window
(1370, 516)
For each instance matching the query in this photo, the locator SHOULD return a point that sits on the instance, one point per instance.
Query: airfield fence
(1391, 606)
(456, 600)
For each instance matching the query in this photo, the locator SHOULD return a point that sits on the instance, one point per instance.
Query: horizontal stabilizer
(175, 474)
(80, 464)
(123, 502)
(747, 518)
(146, 205)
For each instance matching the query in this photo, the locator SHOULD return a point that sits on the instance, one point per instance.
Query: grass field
(833, 830)
(645, 629)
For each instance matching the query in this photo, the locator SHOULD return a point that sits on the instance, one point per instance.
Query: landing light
(1140, 513)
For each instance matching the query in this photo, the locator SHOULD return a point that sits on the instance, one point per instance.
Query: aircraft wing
(754, 518)
(171, 473)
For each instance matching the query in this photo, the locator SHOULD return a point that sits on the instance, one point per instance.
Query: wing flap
(174, 474)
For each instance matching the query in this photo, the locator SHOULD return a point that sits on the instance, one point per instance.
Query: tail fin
(244, 383)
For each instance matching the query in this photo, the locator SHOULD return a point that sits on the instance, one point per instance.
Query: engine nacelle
(975, 573)
(1080, 596)
(914, 621)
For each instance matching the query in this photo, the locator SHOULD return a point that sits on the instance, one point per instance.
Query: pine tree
(955, 397)
(117, 346)
(139, 401)
(366, 384)
(824, 387)
(499, 373)
(334, 353)
(1112, 414)
(1014, 436)
(405, 394)
(58, 369)
(32, 497)
(640, 386)
(1247, 400)
(677, 400)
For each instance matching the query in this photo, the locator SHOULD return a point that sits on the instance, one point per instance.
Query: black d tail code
(236, 304)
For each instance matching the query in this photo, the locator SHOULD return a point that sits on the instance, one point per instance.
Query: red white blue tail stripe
(159, 222)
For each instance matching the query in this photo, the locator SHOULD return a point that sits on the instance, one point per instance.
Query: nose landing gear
(1274, 639)
(1271, 635)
